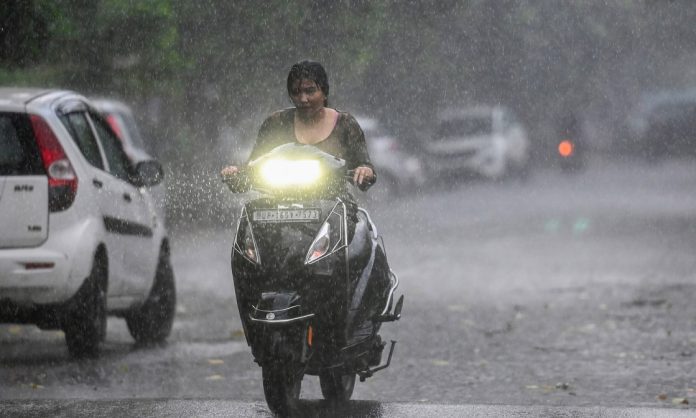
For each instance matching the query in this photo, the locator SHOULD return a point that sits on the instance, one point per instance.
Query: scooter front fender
(278, 308)
(282, 332)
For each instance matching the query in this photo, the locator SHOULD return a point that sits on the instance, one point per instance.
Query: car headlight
(281, 173)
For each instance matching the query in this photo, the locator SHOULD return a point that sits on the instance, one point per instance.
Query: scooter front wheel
(281, 387)
(336, 386)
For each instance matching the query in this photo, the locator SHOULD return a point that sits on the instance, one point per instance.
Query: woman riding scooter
(311, 277)
(311, 122)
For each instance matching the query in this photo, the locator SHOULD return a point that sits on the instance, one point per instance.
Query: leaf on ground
(215, 361)
(215, 377)
(237, 334)
(662, 396)
(531, 387)
(36, 386)
(14, 329)
(441, 363)
(680, 401)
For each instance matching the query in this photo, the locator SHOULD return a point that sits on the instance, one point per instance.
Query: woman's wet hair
(309, 70)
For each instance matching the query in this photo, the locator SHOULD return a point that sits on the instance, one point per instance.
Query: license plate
(285, 215)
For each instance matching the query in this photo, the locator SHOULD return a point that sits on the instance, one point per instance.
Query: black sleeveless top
(346, 141)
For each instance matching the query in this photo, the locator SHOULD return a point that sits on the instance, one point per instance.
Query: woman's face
(307, 97)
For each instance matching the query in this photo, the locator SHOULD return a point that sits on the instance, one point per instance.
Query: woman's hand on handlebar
(235, 178)
(229, 171)
(362, 174)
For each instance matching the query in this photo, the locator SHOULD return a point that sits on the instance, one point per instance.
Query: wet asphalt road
(562, 291)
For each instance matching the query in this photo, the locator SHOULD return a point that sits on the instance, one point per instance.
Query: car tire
(84, 324)
(494, 170)
(152, 322)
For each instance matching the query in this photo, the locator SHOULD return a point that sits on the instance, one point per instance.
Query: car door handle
(98, 184)
(127, 197)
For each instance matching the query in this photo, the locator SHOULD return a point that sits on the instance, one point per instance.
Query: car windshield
(674, 111)
(133, 130)
(17, 152)
(470, 126)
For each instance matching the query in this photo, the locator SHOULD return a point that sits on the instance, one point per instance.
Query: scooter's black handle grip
(365, 184)
(238, 182)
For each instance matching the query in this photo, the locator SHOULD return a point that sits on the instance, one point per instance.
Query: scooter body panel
(337, 295)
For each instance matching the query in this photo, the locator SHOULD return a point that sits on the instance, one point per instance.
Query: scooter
(311, 277)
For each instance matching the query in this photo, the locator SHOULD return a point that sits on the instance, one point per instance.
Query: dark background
(202, 75)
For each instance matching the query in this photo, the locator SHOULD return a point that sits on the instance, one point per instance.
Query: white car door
(108, 190)
(132, 217)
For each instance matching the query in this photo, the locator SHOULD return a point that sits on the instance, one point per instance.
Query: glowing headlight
(290, 172)
(320, 245)
(245, 244)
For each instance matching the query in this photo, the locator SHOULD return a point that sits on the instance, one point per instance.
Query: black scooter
(311, 276)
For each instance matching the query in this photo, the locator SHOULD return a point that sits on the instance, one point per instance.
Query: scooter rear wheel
(336, 386)
(281, 387)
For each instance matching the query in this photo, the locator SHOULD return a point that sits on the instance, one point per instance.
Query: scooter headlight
(330, 237)
(281, 173)
(321, 244)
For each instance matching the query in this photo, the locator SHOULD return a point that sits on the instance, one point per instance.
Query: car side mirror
(148, 173)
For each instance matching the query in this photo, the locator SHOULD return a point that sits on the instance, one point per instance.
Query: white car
(120, 117)
(486, 140)
(397, 170)
(80, 237)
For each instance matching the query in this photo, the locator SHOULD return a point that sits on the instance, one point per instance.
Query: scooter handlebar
(238, 182)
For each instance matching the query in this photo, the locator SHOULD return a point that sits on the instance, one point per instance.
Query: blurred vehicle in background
(571, 146)
(398, 171)
(120, 118)
(664, 124)
(484, 140)
(79, 235)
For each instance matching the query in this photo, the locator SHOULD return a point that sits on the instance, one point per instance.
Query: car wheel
(494, 168)
(152, 322)
(85, 322)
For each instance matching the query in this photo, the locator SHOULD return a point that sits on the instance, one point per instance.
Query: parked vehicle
(571, 146)
(398, 171)
(484, 140)
(311, 276)
(664, 124)
(120, 118)
(80, 237)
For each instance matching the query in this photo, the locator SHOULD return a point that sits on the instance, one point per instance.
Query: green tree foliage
(212, 63)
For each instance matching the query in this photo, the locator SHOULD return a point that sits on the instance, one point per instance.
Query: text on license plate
(285, 215)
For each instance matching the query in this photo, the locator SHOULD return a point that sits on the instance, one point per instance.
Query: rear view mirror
(148, 173)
